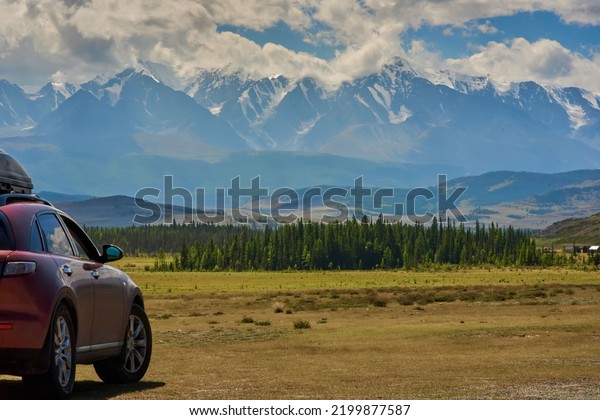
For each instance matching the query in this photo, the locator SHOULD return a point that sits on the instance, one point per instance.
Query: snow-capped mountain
(399, 117)
(20, 110)
(404, 115)
(572, 111)
(135, 111)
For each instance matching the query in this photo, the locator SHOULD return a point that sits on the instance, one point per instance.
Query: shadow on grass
(84, 390)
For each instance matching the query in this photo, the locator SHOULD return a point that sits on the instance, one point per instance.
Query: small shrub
(379, 301)
(262, 323)
(247, 320)
(405, 300)
(425, 300)
(300, 325)
(278, 307)
(288, 311)
(445, 296)
(532, 294)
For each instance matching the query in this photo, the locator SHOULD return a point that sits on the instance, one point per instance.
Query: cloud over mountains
(329, 40)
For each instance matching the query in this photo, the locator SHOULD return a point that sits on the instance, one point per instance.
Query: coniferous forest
(351, 245)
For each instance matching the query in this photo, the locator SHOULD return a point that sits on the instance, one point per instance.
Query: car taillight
(19, 268)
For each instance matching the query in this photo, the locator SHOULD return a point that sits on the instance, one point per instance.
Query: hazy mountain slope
(496, 187)
(580, 231)
(532, 205)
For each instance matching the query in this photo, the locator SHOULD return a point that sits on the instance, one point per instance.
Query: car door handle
(95, 274)
(67, 270)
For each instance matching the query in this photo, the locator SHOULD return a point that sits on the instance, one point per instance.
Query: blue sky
(458, 42)
(553, 42)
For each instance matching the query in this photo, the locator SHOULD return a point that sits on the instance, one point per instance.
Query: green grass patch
(301, 325)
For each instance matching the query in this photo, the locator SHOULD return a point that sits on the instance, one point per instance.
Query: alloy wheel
(136, 344)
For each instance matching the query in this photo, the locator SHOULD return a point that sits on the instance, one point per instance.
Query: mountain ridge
(504, 198)
(399, 117)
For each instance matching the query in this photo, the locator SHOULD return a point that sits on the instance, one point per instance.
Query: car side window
(35, 241)
(87, 250)
(5, 240)
(55, 237)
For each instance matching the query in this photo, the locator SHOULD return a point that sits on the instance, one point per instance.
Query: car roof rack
(22, 198)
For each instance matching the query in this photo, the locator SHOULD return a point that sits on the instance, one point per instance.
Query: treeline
(152, 239)
(350, 245)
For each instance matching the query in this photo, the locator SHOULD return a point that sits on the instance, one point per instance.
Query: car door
(74, 274)
(109, 291)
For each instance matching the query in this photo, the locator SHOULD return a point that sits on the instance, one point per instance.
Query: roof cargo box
(13, 178)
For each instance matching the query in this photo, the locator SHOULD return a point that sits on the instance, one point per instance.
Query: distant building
(594, 249)
(577, 249)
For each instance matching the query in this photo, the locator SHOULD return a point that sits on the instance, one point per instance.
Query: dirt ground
(500, 342)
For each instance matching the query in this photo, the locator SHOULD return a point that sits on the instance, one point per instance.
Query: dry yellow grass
(362, 342)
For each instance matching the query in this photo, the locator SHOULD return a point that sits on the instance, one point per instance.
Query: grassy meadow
(462, 334)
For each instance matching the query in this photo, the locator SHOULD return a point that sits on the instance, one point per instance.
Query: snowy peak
(159, 72)
(51, 96)
(463, 83)
(13, 105)
(398, 67)
(211, 88)
(20, 110)
(581, 106)
(58, 90)
(565, 109)
(259, 100)
(108, 87)
(215, 90)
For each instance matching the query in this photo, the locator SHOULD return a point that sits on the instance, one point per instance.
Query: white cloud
(486, 28)
(585, 12)
(82, 38)
(259, 14)
(544, 61)
(423, 56)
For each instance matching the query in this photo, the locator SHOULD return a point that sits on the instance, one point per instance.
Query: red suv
(61, 304)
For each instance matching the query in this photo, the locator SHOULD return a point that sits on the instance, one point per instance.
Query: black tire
(131, 365)
(59, 381)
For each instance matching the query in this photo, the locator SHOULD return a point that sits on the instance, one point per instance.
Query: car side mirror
(111, 253)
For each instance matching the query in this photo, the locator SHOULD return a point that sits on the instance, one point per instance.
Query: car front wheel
(131, 365)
